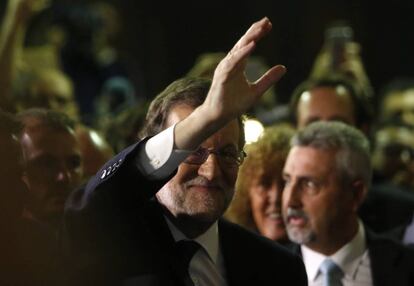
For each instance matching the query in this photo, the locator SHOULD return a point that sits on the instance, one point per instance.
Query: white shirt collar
(209, 240)
(312, 261)
(347, 257)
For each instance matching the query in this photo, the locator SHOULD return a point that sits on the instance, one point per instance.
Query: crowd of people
(107, 189)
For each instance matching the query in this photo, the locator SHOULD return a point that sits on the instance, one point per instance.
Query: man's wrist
(197, 127)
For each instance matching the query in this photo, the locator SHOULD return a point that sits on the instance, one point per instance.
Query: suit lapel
(382, 259)
(163, 240)
(235, 255)
(294, 248)
(153, 216)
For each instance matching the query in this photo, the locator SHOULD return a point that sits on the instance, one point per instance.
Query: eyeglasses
(227, 156)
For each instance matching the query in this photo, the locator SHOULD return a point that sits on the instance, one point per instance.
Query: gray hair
(353, 151)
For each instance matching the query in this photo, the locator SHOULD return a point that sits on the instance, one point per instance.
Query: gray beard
(300, 236)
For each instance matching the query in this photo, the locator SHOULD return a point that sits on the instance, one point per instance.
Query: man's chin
(206, 203)
(203, 215)
(299, 235)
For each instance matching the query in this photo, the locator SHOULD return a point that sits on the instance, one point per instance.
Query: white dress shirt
(206, 267)
(352, 258)
(158, 159)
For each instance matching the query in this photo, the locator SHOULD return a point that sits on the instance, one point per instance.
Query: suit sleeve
(105, 214)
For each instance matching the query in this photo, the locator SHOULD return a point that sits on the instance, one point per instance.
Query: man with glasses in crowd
(127, 226)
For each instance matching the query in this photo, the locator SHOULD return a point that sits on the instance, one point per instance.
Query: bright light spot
(341, 90)
(305, 96)
(252, 130)
(96, 138)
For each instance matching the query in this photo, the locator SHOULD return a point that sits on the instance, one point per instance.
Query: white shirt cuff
(158, 158)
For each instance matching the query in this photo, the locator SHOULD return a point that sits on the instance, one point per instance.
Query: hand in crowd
(25, 9)
(231, 94)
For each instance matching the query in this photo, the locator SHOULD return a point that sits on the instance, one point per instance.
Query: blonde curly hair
(271, 149)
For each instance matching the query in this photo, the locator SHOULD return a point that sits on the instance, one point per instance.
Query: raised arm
(231, 94)
(13, 28)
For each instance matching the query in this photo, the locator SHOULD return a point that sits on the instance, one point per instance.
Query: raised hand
(231, 93)
(23, 10)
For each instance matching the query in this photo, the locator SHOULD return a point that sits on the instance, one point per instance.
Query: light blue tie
(332, 274)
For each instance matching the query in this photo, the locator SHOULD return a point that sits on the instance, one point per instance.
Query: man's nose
(210, 169)
(291, 196)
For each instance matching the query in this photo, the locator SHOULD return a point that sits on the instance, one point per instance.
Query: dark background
(163, 39)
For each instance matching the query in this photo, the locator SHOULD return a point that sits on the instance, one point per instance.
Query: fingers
(254, 33)
(233, 60)
(247, 43)
(268, 79)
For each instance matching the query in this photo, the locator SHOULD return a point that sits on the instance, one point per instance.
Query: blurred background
(159, 42)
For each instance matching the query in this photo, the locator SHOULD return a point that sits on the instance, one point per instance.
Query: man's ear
(359, 190)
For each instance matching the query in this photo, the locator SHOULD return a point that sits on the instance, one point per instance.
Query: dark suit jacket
(387, 207)
(392, 264)
(115, 234)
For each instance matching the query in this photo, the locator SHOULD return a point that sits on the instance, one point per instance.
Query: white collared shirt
(352, 258)
(158, 159)
(206, 267)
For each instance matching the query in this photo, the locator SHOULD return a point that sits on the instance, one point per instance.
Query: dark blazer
(392, 264)
(115, 234)
(387, 207)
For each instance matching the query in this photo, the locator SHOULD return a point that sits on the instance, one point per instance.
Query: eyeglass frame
(241, 155)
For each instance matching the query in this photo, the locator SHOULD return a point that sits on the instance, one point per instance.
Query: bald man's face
(325, 103)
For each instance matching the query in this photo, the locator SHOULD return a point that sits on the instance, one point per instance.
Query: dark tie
(185, 250)
(332, 273)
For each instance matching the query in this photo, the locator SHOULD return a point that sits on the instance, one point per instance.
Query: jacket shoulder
(391, 262)
(268, 261)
